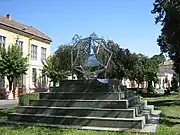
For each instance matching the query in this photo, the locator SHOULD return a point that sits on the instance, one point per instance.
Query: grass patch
(169, 124)
(5, 112)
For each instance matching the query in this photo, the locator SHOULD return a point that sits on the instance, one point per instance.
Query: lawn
(169, 124)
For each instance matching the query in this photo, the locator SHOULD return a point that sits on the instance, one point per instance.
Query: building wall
(165, 71)
(11, 39)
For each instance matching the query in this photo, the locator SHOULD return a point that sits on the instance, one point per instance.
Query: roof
(19, 26)
(166, 63)
(160, 74)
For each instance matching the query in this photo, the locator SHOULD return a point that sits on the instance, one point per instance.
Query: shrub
(150, 88)
(174, 82)
(24, 98)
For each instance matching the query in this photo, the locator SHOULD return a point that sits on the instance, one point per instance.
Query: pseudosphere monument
(92, 102)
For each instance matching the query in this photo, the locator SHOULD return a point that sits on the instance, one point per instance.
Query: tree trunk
(10, 85)
(150, 86)
(54, 85)
(137, 83)
(179, 85)
(11, 95)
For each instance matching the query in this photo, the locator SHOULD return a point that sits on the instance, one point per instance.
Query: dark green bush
(150, 88)
(174, 82)
(24, 98)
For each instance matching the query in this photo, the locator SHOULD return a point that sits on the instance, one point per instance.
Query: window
(43, 79)
(34, 52)
(20, 44)
(34, 76)
(2, 41)
(43, 53)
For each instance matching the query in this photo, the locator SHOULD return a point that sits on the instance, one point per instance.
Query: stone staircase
(86, 104)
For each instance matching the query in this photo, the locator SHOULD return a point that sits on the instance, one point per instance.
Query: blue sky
(127, 22)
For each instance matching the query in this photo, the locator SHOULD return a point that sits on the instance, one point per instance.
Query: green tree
(174, 81)
(168, 15)
(112, 68)
(51, 69)
(136, 71)
(146, 70)
(124, 64)
(120, 60)
(12, 63)
(159, 58)
(63, 57)
(150, 72)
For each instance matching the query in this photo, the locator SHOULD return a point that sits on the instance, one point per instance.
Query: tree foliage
(51, 69)
(159, 58)
(12, 63)
(168, 15)
(63, 57)
(174, 82)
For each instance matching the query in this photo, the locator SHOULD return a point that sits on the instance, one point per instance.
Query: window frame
(34, 76)
(20, 44)
(34, 51)
(2, 41)
(43, 53)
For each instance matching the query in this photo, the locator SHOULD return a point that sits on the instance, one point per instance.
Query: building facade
(165, 74)
(33, 44)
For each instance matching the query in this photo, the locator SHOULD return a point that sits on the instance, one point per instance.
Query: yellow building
(33, 43)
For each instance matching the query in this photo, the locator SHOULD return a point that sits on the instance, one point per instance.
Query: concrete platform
(151, 127)
(87, 95)
(88, 104)
(121, 104)
(136, 123)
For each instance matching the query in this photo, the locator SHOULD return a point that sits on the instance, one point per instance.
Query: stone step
(87, 95)
(82, 82)
(84, 88)
(146, 114)
(150, 108)
(78, 111)
(116, 104)
(88, 86)
(136, 123)
(81, 88)
(90, 82)
(139, 107)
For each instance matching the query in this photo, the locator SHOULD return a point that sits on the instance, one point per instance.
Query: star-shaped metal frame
(79, 54)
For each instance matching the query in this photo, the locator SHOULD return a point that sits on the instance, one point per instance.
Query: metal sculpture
(86, 56)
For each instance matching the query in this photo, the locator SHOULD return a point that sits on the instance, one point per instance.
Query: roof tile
(20, 26)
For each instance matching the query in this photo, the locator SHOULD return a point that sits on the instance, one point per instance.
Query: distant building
(33, 43)
(165, 74)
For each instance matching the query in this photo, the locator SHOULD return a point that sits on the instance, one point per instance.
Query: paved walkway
(8, 103)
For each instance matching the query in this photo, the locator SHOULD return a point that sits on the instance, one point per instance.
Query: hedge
(24, 98)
